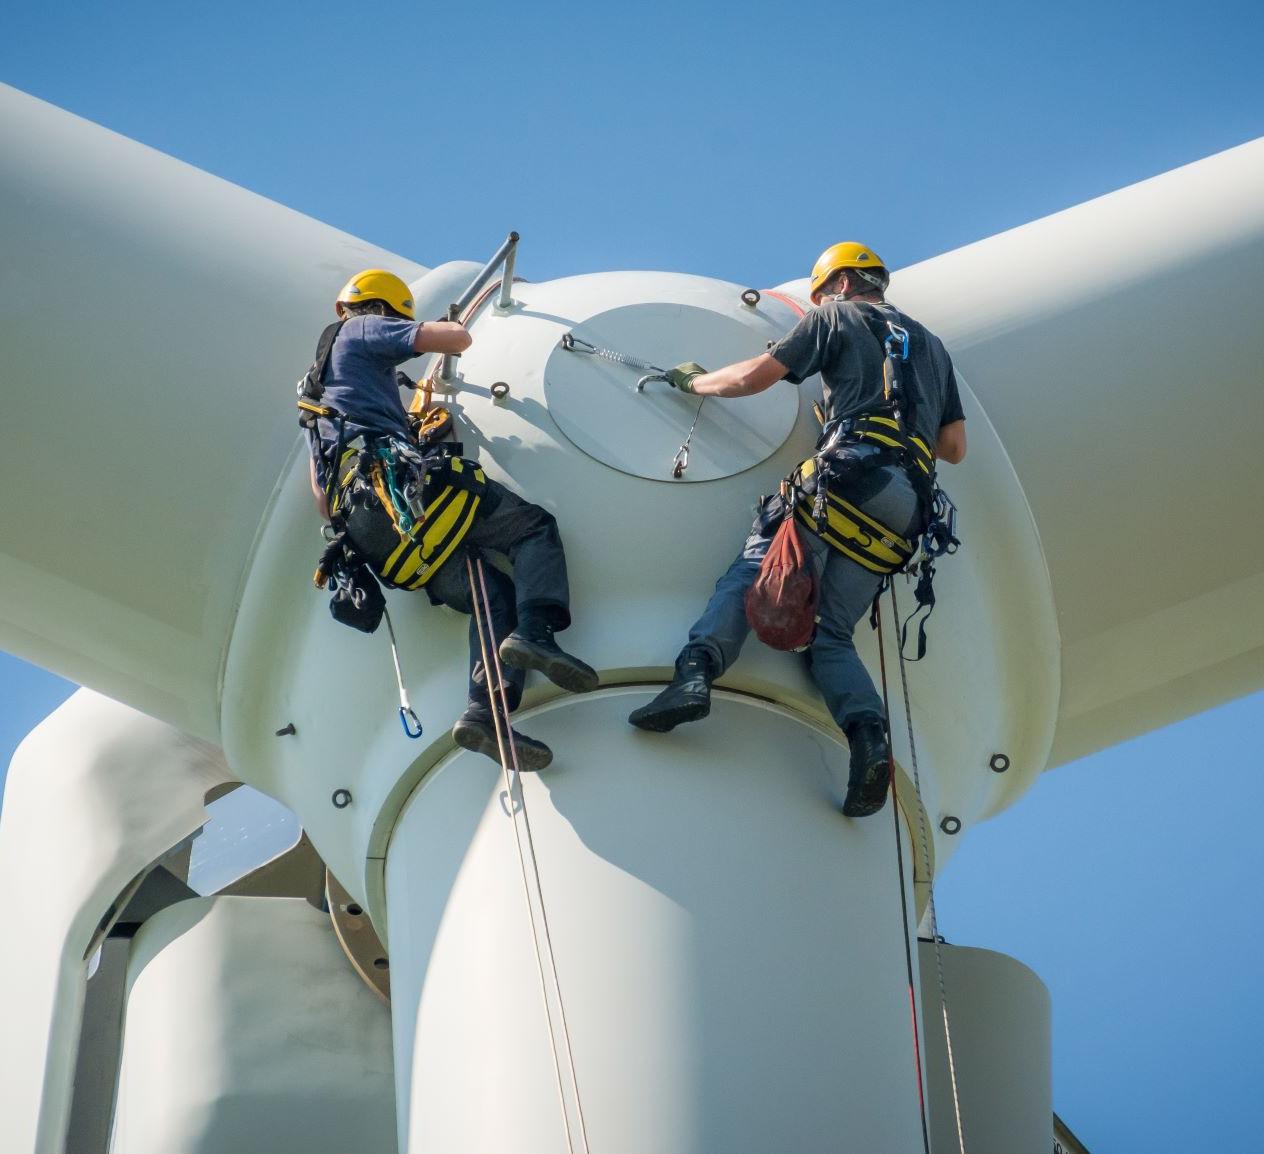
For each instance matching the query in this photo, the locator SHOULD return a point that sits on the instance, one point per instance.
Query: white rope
(483, 622)
(930, 881)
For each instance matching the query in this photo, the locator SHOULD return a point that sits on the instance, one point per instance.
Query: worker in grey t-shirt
(840, 339)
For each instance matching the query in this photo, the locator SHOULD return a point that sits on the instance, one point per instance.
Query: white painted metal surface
(1000, 1020)
(246, 1029)
(157, 319)
(643, 556)
(1117, 349)
(728, 946)
(93, 797)
(196, 608)
(595, 401)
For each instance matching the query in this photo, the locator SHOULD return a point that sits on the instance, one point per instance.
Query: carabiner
(574, 344)
(406, 715)
(899, 335)
(680, 462)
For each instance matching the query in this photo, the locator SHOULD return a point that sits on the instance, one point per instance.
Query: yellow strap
(379, 487)
(883, 531)
(435, 532)
(471, 503)
(845, 528)
(870, 435)
(837, 543)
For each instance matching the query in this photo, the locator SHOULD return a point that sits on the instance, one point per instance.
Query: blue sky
(738, 140)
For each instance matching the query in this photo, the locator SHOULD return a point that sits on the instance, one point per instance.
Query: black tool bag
(358, 599)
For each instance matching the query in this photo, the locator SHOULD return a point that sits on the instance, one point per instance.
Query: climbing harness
(823, 480)
(937, 941)
(573, 344)
(516, 801)
(842, 525)
(430, 495)
(407, 718)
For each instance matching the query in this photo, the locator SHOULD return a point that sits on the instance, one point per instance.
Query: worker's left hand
(682, 376)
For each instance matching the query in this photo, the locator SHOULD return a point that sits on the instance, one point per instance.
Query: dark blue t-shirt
(360, 377)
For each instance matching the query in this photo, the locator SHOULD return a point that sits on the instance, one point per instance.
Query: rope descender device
(573, 344)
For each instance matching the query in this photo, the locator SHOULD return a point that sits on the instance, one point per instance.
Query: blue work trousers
(847, 590)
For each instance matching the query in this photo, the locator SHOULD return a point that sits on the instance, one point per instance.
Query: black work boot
(687, 698)
(531, 646)
(475, 730)
(870, 774)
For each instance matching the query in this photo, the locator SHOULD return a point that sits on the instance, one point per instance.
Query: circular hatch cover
(595, 401)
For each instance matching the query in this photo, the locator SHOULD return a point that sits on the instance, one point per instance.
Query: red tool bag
(781, 604)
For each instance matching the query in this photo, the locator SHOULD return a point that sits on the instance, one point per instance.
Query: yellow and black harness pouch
(407, 547)
(848, 528)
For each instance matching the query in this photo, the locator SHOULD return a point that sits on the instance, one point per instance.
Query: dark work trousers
(527, 537)
(846, 592)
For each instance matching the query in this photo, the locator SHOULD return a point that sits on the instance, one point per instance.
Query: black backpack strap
(879, 328)
(310, 391)
(324, 347)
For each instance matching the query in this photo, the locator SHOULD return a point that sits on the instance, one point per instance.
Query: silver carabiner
(573, 344)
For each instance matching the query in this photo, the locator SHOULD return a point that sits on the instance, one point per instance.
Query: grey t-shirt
(835, 341)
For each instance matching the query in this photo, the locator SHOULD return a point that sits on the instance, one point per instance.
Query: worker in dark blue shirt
(414, 517)
(837, 340)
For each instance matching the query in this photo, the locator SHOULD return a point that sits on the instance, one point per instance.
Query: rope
(934, 920)
(899, 857)
(680, 462)
(500, 715)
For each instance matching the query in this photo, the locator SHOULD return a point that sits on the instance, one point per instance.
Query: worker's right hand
(682, 376)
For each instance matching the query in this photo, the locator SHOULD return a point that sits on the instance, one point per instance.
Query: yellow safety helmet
(846, 254)
(376, 284)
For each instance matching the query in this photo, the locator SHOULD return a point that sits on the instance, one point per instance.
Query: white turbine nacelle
(163, 558)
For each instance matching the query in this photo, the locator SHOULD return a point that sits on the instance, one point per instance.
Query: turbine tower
(690, 950)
